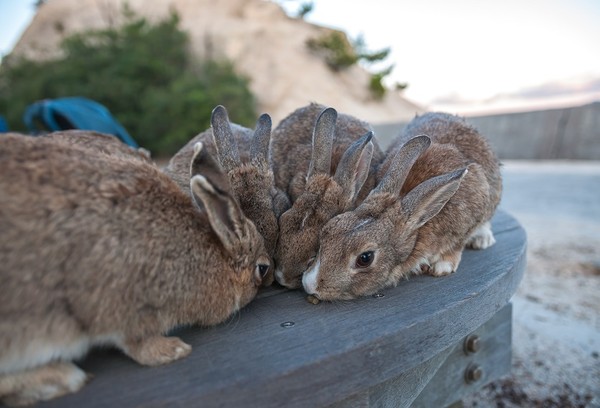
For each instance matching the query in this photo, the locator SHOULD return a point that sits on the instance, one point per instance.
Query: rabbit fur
(436, 194)
(327, 164)
(244, 156)
(100, 142)
(101, 249)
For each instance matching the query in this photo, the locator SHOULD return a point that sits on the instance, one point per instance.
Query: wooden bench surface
(283, 351)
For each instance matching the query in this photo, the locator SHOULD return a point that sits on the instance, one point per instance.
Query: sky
(461, 56)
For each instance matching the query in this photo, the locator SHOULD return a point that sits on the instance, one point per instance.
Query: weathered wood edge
(440, 381)
(334, 349)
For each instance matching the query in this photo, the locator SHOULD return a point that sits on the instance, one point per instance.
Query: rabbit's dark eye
(365, 259)
(262, 270)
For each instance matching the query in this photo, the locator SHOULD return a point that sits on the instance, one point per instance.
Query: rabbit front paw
(444, 264)
(41, 384)
(482, 238)
(442, 268)
(157, 350)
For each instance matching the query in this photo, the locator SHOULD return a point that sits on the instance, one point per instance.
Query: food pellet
(312, 299)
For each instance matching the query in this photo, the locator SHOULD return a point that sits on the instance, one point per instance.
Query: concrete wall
(569, 133)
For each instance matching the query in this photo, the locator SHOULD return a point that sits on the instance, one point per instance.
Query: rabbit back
(98, 142)
(469, 144)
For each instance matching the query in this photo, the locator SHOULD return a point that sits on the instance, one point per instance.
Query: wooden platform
(402, 348)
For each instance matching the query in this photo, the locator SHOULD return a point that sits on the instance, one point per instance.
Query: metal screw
(472, 344)
(473, 373)
(287, 324)
(378, 295)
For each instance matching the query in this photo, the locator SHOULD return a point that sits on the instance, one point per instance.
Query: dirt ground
(556, 314)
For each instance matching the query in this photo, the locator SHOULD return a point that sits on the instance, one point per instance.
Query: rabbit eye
(262, 270)
(311, 261)
(365, 259)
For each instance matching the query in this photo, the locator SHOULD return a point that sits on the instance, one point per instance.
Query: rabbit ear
(353, 168)
(322, 143)
(224, 214)
(401, 164)
(204, 163)
(259, 149)
(427, 199)
(227, 149)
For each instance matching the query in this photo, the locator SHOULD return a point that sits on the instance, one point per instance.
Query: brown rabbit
(326, 167)
(100, 249)
(435, 196)
(244, 156)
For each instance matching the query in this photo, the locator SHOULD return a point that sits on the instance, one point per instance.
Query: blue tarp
(3, 125)
(74, 113)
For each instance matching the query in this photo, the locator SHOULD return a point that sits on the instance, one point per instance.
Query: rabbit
(100, 249)
(326, 163)
(99, 142)
(244, 155)
(435, 195)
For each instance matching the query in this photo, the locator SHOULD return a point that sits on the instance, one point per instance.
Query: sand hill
(263, 42)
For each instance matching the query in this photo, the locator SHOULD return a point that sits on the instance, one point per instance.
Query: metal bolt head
(472, 344)
(473, 373)
(287, 324)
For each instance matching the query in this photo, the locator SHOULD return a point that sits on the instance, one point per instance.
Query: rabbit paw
(444, 264)
(40, 384)
(434, 268)
(482, 238)
(158, 350)
(442, 268)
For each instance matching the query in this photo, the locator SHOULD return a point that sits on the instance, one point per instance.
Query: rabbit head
(243, 156)
(252, 182)
(323, 197)
(237, 233)
(367, 249)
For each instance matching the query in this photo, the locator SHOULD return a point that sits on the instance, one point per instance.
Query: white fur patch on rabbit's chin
(310, 278)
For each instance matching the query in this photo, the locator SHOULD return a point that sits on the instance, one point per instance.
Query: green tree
(142, 72)
(335, 49)
(340, 53)
(305, 9)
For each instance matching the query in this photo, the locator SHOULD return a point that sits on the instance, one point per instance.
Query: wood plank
(494, 359)
(400, 391)
(439, 381)
(333, 350)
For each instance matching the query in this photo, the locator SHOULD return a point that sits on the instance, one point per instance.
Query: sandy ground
(556, 315)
